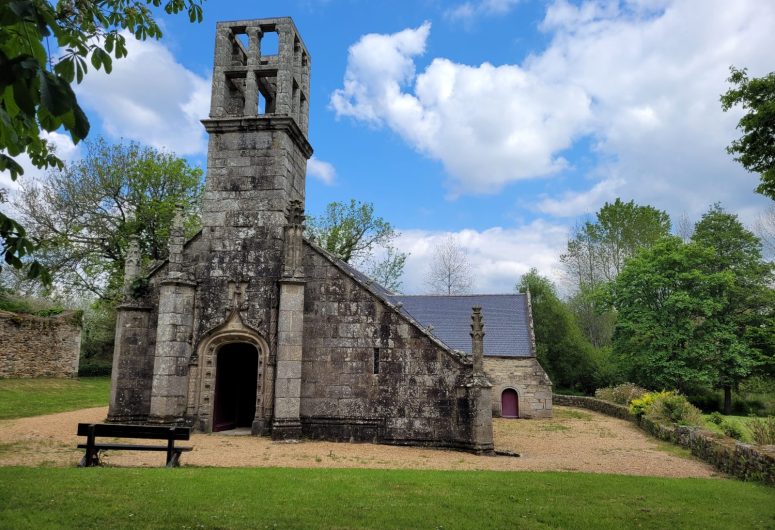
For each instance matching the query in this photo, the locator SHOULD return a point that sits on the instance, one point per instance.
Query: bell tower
(256, 168)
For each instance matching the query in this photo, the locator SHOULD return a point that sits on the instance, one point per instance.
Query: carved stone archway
(203, 370)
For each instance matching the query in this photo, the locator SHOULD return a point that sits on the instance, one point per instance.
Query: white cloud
(64, 149)
(151, 98)
(573, 204)
(325, 172)
(469, 10)
(498, 256)
(640, 78)
(489, 125)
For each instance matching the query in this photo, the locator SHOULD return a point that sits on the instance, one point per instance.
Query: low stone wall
(598, 405)
(32, 346)
(740, 460)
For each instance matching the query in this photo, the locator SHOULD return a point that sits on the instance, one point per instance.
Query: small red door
(509, 404)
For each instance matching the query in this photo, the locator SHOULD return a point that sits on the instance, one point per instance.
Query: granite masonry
(247, 324)
(33, 346)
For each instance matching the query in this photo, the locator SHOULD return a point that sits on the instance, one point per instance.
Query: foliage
(597, 253)
(763, 430)
(563, 352)
(716, 418)
(372, 498)
(449, 271)
(745, 323)
(97, 338)
(28, 305)
(733, 430)
(666, 407)
(622, 394)
(755, 150)
(95, 367)
(35, 87)
(20, 398)
(85, 213)
(668, 304)
(388, 272)
(352, 233)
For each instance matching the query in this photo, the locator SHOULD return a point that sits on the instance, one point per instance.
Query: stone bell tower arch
(256, 169)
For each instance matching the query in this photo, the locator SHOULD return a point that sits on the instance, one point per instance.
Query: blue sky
(502, 123)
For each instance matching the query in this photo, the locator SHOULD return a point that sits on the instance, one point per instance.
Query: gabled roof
(506, 321)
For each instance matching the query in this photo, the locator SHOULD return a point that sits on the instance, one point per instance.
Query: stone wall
(32, 346)
(744, 461)
(370, 374)
(527, 377)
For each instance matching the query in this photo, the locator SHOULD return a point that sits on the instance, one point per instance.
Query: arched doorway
(510, 403)
(236, 378)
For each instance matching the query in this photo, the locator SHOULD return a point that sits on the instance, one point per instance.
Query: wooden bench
(146, 432)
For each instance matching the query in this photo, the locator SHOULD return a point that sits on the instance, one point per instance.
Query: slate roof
(506, 323)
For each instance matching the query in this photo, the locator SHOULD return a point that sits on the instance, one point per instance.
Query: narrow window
(376, 360)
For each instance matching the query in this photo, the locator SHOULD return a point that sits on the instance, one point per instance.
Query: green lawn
(363, 498)
(32, 397)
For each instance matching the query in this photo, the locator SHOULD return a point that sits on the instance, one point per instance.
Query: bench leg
(174, 461)
(90, 458)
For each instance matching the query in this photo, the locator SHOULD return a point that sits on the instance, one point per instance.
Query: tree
(748, 307)
(562, 350)
(668, 303)
(697, 314)
(765, 230)
(597, 253)
(85, 213)
(755, 150)
(35, 87)
(449, 272)
(353, 233)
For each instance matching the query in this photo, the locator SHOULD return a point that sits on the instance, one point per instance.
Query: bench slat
(130, 447)
(148, 432)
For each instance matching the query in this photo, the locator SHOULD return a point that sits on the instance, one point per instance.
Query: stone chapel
(248, 324)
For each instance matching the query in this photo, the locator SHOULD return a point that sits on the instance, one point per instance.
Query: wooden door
(510, 404)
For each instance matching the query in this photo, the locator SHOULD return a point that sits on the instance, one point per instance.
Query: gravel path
(574, 440)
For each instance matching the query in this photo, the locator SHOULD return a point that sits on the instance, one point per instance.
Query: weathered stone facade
(247, 324)
(527, 378)
(32, 346)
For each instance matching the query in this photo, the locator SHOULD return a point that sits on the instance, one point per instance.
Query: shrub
(622, 394)
(94, 367)
(733, 430)
(666, 407)
(716, 418)
(763, 430)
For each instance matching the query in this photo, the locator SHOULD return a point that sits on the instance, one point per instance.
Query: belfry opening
(236, 386)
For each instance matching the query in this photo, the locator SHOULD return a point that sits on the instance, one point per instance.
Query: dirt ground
(574, 440)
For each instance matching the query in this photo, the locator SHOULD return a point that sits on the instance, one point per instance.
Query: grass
(20, 398)
(362, 498)
(741, 422)
(562, 413)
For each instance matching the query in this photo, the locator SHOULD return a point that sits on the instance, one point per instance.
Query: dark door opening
(236, 379)
(509, 404)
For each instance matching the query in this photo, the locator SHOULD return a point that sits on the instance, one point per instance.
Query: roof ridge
(454, 295)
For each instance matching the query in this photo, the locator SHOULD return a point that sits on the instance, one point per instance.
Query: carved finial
(131, 265)
(477, 338)
(294, 230)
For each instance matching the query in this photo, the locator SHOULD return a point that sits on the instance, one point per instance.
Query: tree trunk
(727, 400)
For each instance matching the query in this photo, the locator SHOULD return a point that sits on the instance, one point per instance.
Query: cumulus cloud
(573, 204)
(469, 10)
(640, 79)
(323, 171)
(64, 148)
(498, 256)
(489, 125)
(149, 97)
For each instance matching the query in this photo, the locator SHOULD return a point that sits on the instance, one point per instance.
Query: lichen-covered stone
(32, 346)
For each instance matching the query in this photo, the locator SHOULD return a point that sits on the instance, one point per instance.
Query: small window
(270, 43)
(376, 360)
